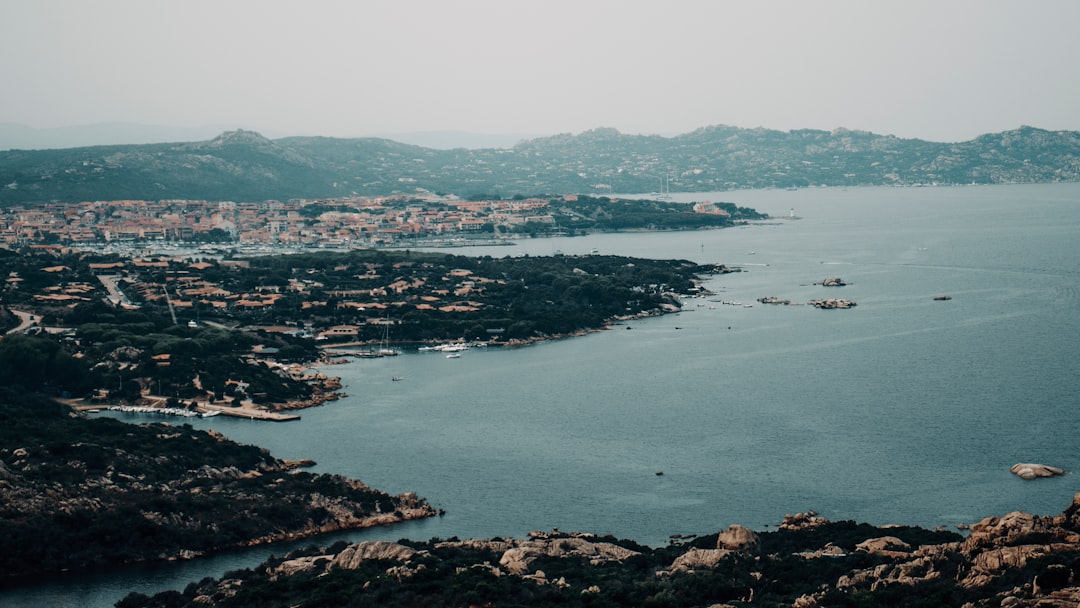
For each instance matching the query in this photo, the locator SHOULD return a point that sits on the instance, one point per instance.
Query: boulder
(301, 564)
(1071, 517)
(517, 560)
(1006, 530)
(1031, 471)
(910, 573)
(738, 538)
(354, 555)
(986, 567)
(695, 559)
(802, 521)
(887, 545)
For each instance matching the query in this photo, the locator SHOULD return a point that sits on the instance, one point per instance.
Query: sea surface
(903, 409)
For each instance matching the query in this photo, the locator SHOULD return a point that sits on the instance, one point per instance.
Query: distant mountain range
(15, 136)
(19, 136)
(245, 166)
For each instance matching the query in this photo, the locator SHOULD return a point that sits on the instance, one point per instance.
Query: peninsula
(208, 333)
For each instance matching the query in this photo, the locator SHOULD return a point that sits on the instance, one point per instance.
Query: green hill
(244, 166)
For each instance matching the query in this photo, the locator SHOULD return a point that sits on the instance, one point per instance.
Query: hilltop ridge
(243, 165)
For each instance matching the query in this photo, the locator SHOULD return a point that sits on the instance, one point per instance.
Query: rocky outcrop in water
(833, 282)
(832, 303)
(1032, 471)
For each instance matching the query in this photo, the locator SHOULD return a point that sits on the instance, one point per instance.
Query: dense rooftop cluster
(352, 221)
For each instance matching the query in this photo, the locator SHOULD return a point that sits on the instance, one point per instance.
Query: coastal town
(321, 223)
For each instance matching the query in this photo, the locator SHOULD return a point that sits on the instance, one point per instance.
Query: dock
(249, 412)
(203, 410)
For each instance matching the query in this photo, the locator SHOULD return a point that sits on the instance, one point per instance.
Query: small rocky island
(832, 303)
(824, 303)
(833, 282)
(1034, 471)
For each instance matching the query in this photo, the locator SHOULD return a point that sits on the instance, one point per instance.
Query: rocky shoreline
(81, 493)
(1017, 560)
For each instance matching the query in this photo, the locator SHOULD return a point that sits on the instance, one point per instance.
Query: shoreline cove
(749, 412)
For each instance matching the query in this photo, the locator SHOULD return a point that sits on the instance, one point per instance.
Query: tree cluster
(78, 493)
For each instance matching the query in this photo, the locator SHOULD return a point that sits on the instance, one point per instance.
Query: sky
(941, 70)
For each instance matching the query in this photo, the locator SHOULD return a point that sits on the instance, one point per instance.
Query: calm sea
(901, 410)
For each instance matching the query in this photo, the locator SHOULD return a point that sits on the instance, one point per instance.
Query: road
(26, 321)
(115, 295)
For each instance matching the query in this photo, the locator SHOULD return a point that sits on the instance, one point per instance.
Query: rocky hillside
(77, 493)
(1012, 561)
(244, 166)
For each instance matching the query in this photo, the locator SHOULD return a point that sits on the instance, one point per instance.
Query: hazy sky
(939, 70)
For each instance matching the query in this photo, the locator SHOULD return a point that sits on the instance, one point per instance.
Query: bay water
(903, 409)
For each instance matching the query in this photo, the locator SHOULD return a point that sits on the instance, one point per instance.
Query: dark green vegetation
(78, 493)
(435, 296)
(421, 296)
(234, 328)
(584, 214)
(455, 574)
(110, 355)
(245, 166)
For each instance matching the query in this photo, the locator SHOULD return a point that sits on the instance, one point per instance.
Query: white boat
(451, 348)
(453, 356)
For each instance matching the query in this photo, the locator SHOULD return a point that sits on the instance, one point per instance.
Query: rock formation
(802, 521)
(738, 538)
(358, 553)
(995, 547)
(884, 545)
(698, 559)
(1017, 560)
(832, 303)
(1031, 471)
(517, 558)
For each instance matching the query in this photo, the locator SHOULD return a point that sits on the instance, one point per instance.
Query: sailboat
(384, 349)
(665, 187)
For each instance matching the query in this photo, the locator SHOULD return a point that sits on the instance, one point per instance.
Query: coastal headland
(81, 493)
(239, 337)
(1015, 560)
